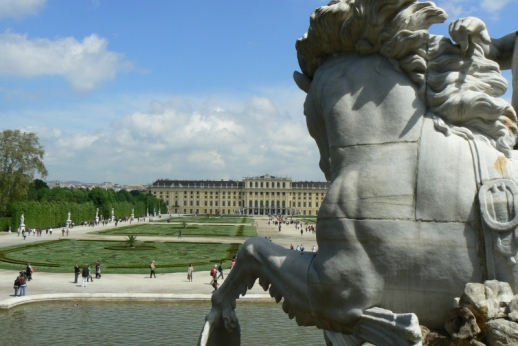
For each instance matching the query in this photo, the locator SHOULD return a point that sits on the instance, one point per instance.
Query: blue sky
(130, 91)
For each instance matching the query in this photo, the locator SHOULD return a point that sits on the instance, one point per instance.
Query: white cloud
(494, 5)
(86, 65)
(187, 139)
(19, 8)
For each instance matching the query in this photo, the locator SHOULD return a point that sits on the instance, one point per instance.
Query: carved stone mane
(462, 91)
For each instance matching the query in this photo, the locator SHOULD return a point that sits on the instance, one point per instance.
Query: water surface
(144, 323)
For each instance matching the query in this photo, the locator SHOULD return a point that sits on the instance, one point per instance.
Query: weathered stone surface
(504, 295)
(513, 309)
(462, 325)
(500, 332)
(482, 300)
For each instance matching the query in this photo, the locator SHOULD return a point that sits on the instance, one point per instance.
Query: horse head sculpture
(418, 146)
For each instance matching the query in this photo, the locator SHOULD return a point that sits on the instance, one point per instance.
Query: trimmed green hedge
(5, 222)
(44, 215)
(50, 214)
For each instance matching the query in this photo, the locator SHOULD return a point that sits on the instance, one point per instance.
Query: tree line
(21, 159)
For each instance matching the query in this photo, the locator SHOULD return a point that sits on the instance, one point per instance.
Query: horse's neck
(364, 100)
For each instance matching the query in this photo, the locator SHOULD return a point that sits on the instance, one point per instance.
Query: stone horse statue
(418, 146)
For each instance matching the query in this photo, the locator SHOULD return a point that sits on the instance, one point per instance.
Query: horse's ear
(303, 81)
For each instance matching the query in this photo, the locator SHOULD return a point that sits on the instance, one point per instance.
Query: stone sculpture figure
(418, 146)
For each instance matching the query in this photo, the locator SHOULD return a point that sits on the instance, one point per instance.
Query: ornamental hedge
(50, 214)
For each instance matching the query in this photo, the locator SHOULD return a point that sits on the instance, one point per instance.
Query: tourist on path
(77, 272)
(23, 284)
(29, 270)
(190, 270)
(220, 270)
(152, 268)
(17, 285)
(97, 269)
(214, 274)
(90, 277)
(85, 274)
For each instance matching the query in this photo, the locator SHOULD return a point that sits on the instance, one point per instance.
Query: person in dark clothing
(28, 270)
(97, 269)
(85, 274)
(77, 271)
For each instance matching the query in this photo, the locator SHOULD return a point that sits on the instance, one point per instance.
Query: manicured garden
(60, 256)
(187, 229)
(211, 219)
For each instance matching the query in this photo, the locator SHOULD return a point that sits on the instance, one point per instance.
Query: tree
(21, 158)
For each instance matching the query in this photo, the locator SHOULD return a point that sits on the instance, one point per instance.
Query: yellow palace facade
(262, 195)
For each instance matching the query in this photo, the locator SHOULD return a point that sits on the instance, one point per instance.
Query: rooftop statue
(418, 145)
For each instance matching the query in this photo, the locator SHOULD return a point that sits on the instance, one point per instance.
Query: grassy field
(172, 230)
(211, 219)
(61, 256)
(308, 219)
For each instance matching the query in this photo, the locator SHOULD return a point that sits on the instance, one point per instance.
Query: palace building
(263, 195)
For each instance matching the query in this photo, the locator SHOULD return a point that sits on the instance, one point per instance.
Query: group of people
(86, 273)
(34, 231)
(302, 248)
(20, 283)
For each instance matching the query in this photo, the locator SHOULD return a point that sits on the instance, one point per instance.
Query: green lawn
(61, 256)
(308, 219)
(211, 219)
(172, 230)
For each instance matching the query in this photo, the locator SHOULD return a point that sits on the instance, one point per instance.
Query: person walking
(220, 270)
(214, 274)
(29, 270)
(77, 272)
(152, 267)
(98, 270)
(84, 275)
(190, 270)
(90, 277)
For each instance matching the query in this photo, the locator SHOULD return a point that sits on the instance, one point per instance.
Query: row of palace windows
(266, 204)
(211, 203)
(266, 184)
(197, 211)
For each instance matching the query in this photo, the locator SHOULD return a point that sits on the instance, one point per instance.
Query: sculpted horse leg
(331, 289)
(282, 271)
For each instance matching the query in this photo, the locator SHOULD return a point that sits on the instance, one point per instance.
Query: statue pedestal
(68, 223)
(22, 227)
(97, 219)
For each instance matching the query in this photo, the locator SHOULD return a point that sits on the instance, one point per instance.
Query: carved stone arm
(502, 51)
